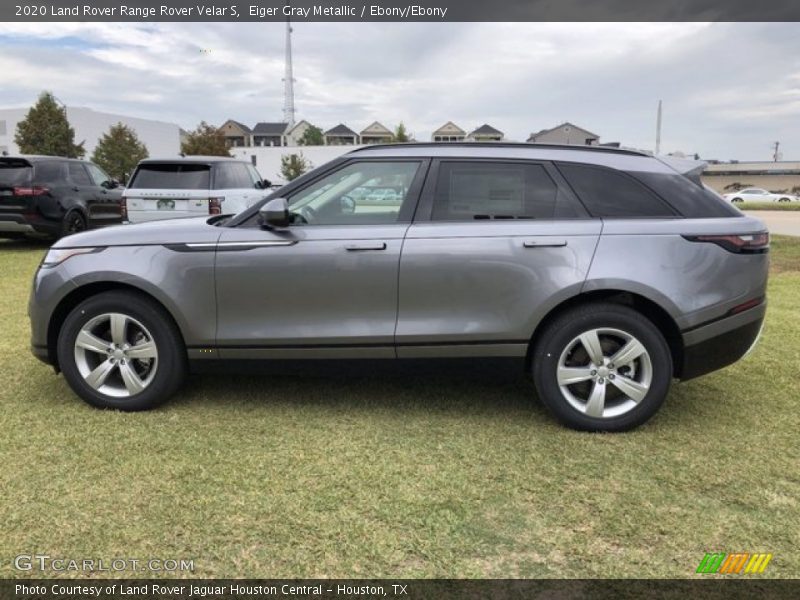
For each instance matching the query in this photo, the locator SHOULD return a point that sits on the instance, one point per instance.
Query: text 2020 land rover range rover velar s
(605, 273)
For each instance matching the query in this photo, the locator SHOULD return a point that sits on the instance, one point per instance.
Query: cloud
(728, 89)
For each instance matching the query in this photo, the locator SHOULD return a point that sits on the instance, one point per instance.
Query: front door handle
(365, 247)
(544, 243)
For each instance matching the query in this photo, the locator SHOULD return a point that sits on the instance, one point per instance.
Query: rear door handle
(544, 243)
(365, 247)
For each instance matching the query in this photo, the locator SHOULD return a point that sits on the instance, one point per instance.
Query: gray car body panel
(410, 290)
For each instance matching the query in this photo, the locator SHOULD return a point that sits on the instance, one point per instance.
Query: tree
(294, 165)
(312, 136)
(736, 186)
(45, 130)
(206, 140)
(119, 151)
(400, 133)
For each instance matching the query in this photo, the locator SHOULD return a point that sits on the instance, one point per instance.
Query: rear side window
(14, 172)
(609, 193)
(232, 176)
(78, 175)
(48, 171)
(690, 199)
(467, 191)
(165, 176)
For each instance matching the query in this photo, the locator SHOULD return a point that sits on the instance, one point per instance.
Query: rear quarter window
(48, 171)
(687, 197)
(613, 194)
(165, 176)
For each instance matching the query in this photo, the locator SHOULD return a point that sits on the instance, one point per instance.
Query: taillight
(36, 190)
(749, 243)
(123, 208)
(215, 206)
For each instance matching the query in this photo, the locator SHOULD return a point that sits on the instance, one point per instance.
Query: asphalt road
(779, 222)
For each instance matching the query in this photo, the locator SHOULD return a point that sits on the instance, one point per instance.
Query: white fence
(268, 158)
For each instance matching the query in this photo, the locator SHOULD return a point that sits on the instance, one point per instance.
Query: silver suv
(604, 273)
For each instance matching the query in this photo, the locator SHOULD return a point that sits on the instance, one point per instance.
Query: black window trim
(424, 213)
(407, 212)
(675, 213)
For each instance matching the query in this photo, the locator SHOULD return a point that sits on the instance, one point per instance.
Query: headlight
(56, 256)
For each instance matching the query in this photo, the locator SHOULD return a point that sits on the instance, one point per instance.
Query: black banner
(399, 10)
(365, 589)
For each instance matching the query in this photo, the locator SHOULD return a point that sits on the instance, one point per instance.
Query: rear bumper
(23, 224)
(716, 345)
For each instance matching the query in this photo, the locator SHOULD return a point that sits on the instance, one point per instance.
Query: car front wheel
(602, 367)
(120, 350)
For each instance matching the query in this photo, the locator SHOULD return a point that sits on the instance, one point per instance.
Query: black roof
(39, 157)
(487, 129)
(270, 128)
(341, 129)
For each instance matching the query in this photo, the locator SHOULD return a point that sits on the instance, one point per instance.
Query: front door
(326, 286)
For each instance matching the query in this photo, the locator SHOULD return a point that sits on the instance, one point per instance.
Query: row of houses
(283, 134)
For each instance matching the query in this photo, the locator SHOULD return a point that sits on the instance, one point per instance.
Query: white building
(161, 138)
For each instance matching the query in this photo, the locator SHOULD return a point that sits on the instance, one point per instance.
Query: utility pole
(658, 130)
(288, 79)
(776, 154)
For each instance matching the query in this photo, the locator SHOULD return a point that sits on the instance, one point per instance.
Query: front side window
(467, 191)
(98, 175)
(370, 193)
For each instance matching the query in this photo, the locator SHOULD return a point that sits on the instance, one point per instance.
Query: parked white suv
(192, 186)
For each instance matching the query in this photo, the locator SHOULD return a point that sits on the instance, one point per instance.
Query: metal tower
(288, 79)
(658, 130)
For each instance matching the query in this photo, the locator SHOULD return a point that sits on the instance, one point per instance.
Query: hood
(169, 231)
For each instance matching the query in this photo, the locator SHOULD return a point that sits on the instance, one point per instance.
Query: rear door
(167, 190)
(83, 193)
(494, 246)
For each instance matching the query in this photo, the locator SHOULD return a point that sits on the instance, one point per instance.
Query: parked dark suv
(603, 273)
(48, 196)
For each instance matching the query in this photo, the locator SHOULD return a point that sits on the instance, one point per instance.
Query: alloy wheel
(116, 355)
(604, 373)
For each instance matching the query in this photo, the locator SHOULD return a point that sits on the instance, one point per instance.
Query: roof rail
(607, 149)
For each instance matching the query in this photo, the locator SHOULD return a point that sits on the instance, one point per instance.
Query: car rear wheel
(736, 200)
(602, 367)
(784, 200)
(74, 222)
(120, 350)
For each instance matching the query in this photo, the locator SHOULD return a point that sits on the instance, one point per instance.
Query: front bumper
(716, 345)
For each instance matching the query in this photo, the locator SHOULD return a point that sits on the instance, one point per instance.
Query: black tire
(171, 361)
(784, 200)
(73, 222)
(560, 334)
(737, 200)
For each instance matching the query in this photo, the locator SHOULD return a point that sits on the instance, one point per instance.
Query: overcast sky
(729, 89)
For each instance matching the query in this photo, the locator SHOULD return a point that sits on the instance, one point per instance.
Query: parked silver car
(604, 273)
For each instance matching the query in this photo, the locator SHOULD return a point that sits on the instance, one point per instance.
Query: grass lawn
(792, 206)
(454, 474)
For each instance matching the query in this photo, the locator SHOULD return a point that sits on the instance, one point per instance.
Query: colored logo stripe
(720, 562)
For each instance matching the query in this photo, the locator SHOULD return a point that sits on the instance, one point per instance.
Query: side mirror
(266, 184)
(274, 214)
(110, 184)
